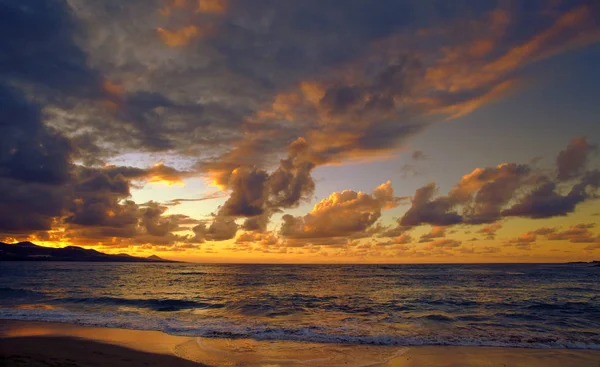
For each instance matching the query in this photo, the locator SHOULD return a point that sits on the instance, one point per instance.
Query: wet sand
(64, 345)
(495, 357)
(51, 351)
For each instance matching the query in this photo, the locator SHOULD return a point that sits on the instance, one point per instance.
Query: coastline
(28, 343)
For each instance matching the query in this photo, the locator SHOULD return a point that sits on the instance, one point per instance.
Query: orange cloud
(466, 66)
(113, 88)
(183, 36)
(212, 6)
(159, 173)
(166, 11)
(341, 214)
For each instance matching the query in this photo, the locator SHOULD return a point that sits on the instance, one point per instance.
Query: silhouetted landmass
(27, 251)
(595, 263)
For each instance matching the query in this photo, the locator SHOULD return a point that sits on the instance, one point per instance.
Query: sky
(390, 131)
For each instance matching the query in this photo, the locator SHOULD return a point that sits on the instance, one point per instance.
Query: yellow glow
(212, 6)
(182, 36)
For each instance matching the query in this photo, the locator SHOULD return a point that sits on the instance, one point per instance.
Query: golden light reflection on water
(37, 307)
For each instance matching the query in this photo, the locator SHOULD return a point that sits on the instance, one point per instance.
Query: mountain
(594, 263)
(27, 251)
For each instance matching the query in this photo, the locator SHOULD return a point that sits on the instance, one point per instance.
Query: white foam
(237, 329)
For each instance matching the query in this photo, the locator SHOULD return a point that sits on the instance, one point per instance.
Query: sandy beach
(71, 352)
(64, 345)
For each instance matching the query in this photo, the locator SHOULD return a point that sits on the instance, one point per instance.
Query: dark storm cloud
(249, 52)
(42, 189)
(31, 152)
(155, 76)
(35, 161)
(37, 46)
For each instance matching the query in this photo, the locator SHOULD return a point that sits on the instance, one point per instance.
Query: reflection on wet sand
(253, 353)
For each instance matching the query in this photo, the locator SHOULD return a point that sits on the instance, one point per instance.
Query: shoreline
(31, 342)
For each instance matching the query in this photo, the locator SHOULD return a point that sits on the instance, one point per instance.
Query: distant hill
(594, 263)
(27, 251)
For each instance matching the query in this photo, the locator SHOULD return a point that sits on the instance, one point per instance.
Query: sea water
(514, 305)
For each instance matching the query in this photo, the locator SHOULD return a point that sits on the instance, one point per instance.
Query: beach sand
(64, 345)
(74, 352)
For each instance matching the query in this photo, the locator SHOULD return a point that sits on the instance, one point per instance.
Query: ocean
(511, 305)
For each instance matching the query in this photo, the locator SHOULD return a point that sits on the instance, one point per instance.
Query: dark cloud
(220, 229)
(571, 161)
(257, 223)
(42, 189)
(486, 195)
(34, 162)
(545, 202)
(83, 82)
(499, 188)
(157, 224)
(292, 181)
(247, 193)
(425, 209)
(256, 194)
(30, 152)
(38, 47)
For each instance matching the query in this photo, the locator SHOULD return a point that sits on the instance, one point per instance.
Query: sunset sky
(303, 131)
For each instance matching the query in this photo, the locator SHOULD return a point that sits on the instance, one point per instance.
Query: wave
(17, 295)
(223, 328)
(154, 304)
(567, 306)
(437, 317)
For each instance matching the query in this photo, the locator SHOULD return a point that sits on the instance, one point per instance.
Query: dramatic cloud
(220, 229)
(425, 210)
(254, 96)
(509, 190)
(343, 213)
(35, 163)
